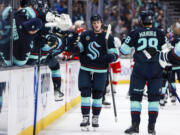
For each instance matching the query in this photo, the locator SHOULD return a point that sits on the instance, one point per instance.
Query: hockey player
(167, 72)
(146, 69)
(94, 61)
(51, 45)
(26, 25)
(174, 38)
(176, 69)
(4, 37)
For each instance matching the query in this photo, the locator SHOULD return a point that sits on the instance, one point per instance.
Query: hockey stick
(109, 70)
(36, 77)
(12, 33)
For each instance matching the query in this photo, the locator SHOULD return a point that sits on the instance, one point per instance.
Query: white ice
(168, 122)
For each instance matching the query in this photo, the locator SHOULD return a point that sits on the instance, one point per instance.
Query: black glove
(59, 31)
(72, 41)
(52, 41)
(112, 57)
(152, 51)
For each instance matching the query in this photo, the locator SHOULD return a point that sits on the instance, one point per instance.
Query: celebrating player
(94, 59)
(147, 41)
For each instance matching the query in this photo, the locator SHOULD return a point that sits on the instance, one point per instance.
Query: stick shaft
(109, 71)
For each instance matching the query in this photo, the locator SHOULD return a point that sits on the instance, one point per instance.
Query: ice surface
(168, 122)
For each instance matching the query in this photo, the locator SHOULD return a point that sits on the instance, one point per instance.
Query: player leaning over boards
(94, 63)
(146, 69)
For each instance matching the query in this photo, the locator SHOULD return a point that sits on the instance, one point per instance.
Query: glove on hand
(112, 57)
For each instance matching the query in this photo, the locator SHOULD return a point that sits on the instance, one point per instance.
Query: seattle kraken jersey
(93, 51)
(141, 39)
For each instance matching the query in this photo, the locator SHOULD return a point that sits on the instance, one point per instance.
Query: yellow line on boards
(44, 122)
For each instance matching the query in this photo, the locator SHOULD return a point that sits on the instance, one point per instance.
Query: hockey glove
(151, 51)
(72, 40)
(50, 17)
(52, 41)
(59, 32)
(112, 57)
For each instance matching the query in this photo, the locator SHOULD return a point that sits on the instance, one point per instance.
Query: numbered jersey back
(143, 38)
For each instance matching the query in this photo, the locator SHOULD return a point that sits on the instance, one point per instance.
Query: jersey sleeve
(81, 42)
(75, 46)
(59, 48)
(128, 43)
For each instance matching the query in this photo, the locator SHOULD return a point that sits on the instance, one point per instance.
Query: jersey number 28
(144, 42)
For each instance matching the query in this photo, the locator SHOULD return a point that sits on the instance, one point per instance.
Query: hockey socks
(96, 106)
(135, 111)
(85, 105)
(153, 109)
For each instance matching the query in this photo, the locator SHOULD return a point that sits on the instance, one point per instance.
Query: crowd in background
(121, 14)
(124, 15)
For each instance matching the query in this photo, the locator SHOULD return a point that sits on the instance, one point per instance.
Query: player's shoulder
(85, 33)
(159, 31)
(134, 32)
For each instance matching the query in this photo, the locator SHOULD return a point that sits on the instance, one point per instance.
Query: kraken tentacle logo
(94, 52)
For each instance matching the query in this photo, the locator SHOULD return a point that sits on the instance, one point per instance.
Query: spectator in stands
(61, 7)
(78, 13)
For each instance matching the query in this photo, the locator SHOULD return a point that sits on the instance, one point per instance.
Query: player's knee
(153, 97)
(97, 94)
(136, 97)
(85, 92)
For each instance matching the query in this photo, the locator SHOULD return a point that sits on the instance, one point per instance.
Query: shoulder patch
(87, 37)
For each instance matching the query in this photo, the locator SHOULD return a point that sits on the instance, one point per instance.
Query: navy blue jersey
(141, 39)
(46, 50)
(93, 50)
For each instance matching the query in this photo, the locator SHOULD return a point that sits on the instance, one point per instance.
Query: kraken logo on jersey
(94, 52)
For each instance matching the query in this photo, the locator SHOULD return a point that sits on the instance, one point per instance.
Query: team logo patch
(87, 38)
